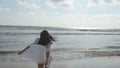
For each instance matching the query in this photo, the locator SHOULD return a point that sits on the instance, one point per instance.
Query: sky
(101, 14)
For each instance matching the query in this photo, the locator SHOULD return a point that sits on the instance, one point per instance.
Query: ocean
(71, 43)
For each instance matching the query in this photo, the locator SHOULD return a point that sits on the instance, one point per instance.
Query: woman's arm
(23, 50)
(35, 42)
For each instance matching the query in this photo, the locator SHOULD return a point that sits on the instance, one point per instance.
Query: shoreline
(95, 62)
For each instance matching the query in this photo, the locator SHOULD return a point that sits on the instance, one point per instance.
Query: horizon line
(57, 26)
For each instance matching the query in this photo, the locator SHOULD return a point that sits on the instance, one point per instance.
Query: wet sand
(96, 62)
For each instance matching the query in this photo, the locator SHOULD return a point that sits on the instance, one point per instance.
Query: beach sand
(95, 62)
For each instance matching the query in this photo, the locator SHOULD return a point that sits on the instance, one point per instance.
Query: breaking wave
(69, 53)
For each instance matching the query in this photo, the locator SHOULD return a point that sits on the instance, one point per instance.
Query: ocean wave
(78, 53)
(8, 52)
(72, 53)
(61, 33)
(13, 27)
(106, 48)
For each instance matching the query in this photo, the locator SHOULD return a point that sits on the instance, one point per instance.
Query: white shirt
(47, 47)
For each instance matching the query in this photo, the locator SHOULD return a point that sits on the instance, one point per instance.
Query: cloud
(4, 8)
(116, 2)
(31, 5)
(92, 3)
(4, 0)
(106, 16)
(95, 15)
(67, 4)
(32, 13)
(50, 4)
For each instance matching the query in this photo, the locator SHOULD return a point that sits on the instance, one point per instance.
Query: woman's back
(36, 53)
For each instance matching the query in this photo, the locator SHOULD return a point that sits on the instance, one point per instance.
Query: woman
(39, 51)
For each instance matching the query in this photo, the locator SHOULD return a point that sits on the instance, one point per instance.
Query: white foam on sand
(96, 62)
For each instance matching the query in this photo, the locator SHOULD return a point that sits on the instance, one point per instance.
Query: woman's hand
(23, 50)
(20, 52)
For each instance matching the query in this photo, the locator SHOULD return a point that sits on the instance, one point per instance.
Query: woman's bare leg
(40, 65)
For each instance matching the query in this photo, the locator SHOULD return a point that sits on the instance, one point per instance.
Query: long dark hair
(45, 38)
